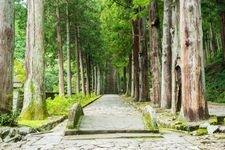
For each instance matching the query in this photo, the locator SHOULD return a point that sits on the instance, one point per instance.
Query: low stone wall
(50, 125)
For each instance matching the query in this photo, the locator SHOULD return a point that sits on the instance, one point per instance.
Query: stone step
(114, 136)
(81, 132)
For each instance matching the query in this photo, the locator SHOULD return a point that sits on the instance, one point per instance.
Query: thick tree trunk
(69, 86)
(60, 53)
(135, 57)
(129, 76)
(222, 26)
(77, 51)
(6, 54)
(82, 73)
(176, 71)
(143, 62)
(154, 54)
(192, 68)
(166, 87)
(34, 106)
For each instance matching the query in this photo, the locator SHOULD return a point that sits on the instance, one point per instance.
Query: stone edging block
(75, 114)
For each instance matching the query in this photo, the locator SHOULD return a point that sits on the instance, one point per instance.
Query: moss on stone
(147, 120)
(149, 125)
(213, 121)
(200, 132)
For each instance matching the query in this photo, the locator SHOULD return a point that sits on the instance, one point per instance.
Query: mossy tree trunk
(6, 54)
(34, 106)
(194, 106)
(154, 29)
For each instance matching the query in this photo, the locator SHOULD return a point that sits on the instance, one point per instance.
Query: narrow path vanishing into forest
(109, 113)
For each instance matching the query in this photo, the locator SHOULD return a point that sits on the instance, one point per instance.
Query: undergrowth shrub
(60, 105)
(9, 119)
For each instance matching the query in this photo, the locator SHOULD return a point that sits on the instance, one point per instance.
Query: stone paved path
(109, 113)
(121, 117)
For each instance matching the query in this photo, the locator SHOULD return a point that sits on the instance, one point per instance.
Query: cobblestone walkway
(120, 117)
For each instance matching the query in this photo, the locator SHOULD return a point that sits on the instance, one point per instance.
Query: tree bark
(82, 73)
(98, 81)
(88, 68)
(135, 57)
(6, 54)
(154, 54)
(212, 39)
(143, 62)
(34, 105)
(124, 79)
(129, 76)
(132, 76)
(192, 66)
(166, 87)
(77, 51)
(69, 87)
(222, 26)
(60, 53)
(176, 71)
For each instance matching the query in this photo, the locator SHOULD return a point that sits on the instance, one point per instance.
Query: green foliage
(19, 71)
(215, 83)
(60, 105)
(9, 119)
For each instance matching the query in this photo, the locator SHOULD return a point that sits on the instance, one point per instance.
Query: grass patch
(32, 123)
(61, 105)
(36, 123)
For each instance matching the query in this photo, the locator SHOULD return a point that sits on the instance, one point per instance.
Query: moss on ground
(36, 123)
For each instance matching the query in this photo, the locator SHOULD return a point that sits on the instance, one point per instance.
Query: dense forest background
(140, 48)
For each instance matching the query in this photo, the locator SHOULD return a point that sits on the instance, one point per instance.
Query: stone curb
(92, 101)
(80, 132)
(50, 125)
(148, 111)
